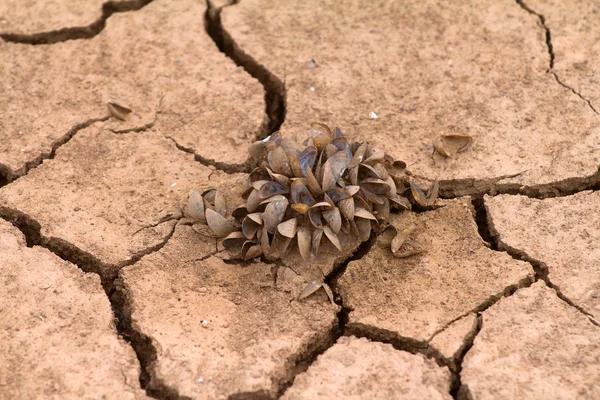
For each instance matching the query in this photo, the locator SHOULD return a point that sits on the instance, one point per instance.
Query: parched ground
(106, 292)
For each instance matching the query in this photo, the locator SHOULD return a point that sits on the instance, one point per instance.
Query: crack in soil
(551, 54)
(7, 175)
(275, 92)
(459, 391)
(539, 267)
(78, 32)
(300, 362)
(141, 344)
(208, 162)
(450, 189)
(87, 262)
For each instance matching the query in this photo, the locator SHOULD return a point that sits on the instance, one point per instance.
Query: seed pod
(330, 187)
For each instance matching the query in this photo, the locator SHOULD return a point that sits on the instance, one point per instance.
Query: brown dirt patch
(220, 329)
(57, 336)
(179, 82)
(427, 68)
(533, 345)
(111, 196)
(360, 369)
(560, 234)
(414, 298)
(574, 32)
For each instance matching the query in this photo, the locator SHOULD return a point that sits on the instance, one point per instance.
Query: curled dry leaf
(449, 145)
(218, 223)
(118, 109)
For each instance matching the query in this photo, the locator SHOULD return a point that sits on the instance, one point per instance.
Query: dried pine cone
(328, 186)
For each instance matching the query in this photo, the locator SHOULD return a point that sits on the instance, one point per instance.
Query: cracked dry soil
(106, 292)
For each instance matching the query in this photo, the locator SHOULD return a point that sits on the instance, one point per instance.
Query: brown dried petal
(220, 203)
(288, 228)
(310, 289)
(195, 206)
(304, 238)
(333, 238)
(346, 206)
(449, 145)
(118, 110)
(253, 201)
(334, 219)
(271, 189)
(317, 234)
(217, 223)
(333, 169)
(401, 238)
(362, 213)
(274, 214)
(314, 215)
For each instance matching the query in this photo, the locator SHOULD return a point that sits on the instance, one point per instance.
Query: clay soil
(106, 291)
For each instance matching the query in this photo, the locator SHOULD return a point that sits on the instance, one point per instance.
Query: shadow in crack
(141, 344)
(77, 32)
(275, 104)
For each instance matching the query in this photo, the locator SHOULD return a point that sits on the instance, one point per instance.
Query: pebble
(372, 115)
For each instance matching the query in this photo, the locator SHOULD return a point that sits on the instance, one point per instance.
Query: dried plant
(298, 194)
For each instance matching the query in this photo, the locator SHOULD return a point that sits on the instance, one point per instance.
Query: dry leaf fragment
(118, 110)
(449, 145)
(400, 238)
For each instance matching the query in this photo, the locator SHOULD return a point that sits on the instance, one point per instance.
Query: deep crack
(141, 343)
(454, 188)
(550, 47)
(223, 167)
(275, 92)
(300, 363)
(459, 391)
(79, 32)
(7, 176)
(539, 267)
(120, 306)
(87, 262)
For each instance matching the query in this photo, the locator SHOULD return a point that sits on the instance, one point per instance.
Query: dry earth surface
(108, 292)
